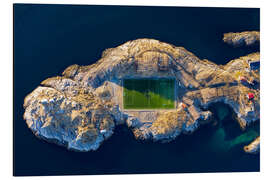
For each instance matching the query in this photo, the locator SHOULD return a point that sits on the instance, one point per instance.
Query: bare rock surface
(81, 108)
(242, 38)
(253, 147)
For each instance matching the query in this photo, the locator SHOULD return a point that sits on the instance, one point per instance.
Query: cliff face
(81, 108)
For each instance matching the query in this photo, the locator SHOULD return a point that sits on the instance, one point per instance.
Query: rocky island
(247, 38)
(81, 108)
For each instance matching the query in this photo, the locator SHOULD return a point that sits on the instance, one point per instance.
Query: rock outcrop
(242, 38)
(253, 147)
(81, 108)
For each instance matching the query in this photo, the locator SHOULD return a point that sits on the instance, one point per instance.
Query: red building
(250, 96)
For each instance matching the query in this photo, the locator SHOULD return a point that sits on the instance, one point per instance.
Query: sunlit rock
(81, 108)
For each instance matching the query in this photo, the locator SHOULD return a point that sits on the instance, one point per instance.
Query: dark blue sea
(49, 38)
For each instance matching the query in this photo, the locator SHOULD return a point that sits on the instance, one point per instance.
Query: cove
(228, 134)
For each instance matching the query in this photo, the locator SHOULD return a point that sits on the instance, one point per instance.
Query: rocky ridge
(247, 38)
(81, 108)
(253, 147)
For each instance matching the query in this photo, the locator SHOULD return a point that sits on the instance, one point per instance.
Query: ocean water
(49, 38)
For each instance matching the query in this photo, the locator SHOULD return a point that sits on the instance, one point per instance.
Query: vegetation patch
(149, 93)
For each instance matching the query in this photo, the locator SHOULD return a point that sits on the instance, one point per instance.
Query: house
(254, 65)
(250, 96)
(183, 105)
(243, 79)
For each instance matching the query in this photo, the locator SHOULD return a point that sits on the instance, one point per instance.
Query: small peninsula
(81, 108)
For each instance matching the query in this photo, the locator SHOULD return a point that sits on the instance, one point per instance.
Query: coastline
(82, 89)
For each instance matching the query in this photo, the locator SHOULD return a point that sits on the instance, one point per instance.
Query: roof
(253, 65)
(242, 78)
(250, 95)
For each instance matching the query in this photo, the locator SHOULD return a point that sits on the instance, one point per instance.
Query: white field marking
(129, 96)
(148, 88)
(132, 97)
(165, 84)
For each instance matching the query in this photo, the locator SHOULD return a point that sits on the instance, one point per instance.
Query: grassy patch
(149, 93)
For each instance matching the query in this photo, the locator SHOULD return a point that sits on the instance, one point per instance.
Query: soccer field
(149, 93)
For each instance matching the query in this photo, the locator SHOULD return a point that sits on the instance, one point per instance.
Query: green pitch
(149, 93)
